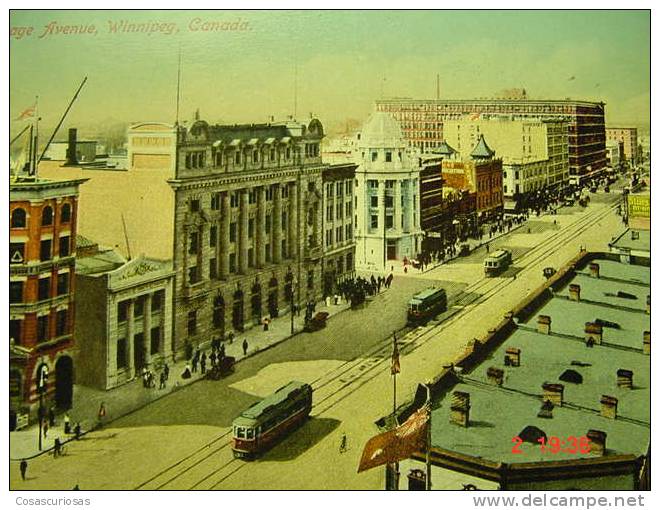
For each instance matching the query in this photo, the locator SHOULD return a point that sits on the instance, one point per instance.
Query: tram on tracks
(426, 304)
(262, 425)
(497, 262)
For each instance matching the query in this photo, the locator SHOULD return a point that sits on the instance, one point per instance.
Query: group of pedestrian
(148, 378)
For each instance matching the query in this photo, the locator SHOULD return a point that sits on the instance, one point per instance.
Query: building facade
(628, 136)
(387, 195)
(123, 319)
(338, 224)
(42, 263)
(614, 154)
(248, 220)
(423, 121)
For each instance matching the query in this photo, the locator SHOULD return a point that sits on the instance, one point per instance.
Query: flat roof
(641, 243)
(278, 397)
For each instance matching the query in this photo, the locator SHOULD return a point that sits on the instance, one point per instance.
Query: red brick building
(42, 251)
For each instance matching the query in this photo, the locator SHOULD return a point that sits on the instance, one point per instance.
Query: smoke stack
(594, 269)
(624, 378)
(554, 392)
(597, 441)
(543, 324)
(495, 376)
(608, 406)
(593, 333)
(574, 292)
(512, 357)
(646, 346)
(71, 157)
(460, 408)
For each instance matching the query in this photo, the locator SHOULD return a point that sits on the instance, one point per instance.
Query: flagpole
(428, 439)
(36, 136)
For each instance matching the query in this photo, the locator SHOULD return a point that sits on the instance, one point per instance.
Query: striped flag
(27, 113)
(396, 365)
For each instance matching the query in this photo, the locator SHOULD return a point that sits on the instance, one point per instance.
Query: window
(213, 236)
(389, 184)
(340, 211)
(64, 246)
(47, 216)
(215, 201)
(388, 157)
(340, 189)
(232, 262)
(374, 221)
(193, 245)
(192, 322)
(122, 310)
(218, 312)
(372, 184)
(389, 201)
(285, 190)
(310, 279)
(250, 257)
(255, 156)
(194, 205)
(330, 188)
(16, 253)
(349, 232)
(218, 158)
(61, 323)
(328, 213)
(42, 328)
(338, 234)
(269, 193)
(374, 200)
(284, 247)
(288, 153)
(374, 156)
(122, 359)
(250, 227)
(349, 187)
(155, 340)
(45, 250)
(268, 224)
(193, 275)
(15, 330)
(272, 155)
(232, 232)
(237, 157)
(252, 197)
(349, 209)
(233, 199)
(15, 292)
(157, 301)
(284, 220)
(44, 289)
(18, 218)
(389, 221)
(213, 269)
(328, 237)
(138, 309)
(268, 256)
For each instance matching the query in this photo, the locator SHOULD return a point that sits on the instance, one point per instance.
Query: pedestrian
(245, 347)
(202, 363)
(186, 372)
(487, 247)
(57, 447)
(195, 361)
(76, 430)
(343, 444)
(24, 466)
(327, 301)
(336, 297)
(67, 424)
(51, 416)
(163, 378)
(166, 371)
(222, 352)
(264, 321)
(212, 357)
(101, 414)
(45, 429)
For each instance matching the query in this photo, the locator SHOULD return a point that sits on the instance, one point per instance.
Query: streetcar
(262, 425)
(497, 262)
(426, 304)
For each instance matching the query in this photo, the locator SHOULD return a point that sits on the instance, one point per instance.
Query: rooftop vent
(532, 434)
(543, 324)
(578, 363)
(608, 406)
(624, 378)
(512, 357)
(607, 324)
(460, 408)
(554, 392)
(593, 333)
(571, 376)
(546, 410)
(646, 345)
(574, 292)
(597, 441)
(594, 270)
(648, 303)
(495, 376)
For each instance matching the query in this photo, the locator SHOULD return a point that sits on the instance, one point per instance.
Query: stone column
(381, 221)
(224, 236)
(243, 232)
(261, 226)
(411, 201)
(130, 333)
(146, 326)
(293, 221)
(276, 224)
(397, 210)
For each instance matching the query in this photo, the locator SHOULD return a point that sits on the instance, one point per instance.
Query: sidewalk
(132, 396)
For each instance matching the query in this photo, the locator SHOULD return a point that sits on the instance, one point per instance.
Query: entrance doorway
(237, 311)
(138, 352)
(64, 383)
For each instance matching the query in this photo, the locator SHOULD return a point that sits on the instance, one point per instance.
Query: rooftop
(634, 240)
(381, 130)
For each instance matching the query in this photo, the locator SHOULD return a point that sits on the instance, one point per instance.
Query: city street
(182, 440)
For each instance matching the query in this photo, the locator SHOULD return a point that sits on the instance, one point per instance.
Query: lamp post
(291, 293)
(42, 382)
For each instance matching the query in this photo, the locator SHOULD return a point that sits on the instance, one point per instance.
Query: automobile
(317, 322)
(464, 250)
(223, 368)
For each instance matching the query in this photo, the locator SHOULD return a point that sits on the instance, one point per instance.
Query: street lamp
(42, 382)
(291, 292)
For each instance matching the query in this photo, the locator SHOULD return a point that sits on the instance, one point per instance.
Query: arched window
(18, 218)
(47, 216)
(66, 213)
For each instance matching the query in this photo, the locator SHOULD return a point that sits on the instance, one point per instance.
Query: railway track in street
(211, 464)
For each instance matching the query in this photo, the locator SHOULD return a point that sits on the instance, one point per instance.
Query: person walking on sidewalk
(67, 424)
(45, 428)
(23, 468)
(166, 371)
(202, 363)
(101, 414)
(162, 380)
(195, 361)
(487, 247)
(245, 347)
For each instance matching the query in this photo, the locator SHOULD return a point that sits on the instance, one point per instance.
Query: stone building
(387, 195)
(627, 136)
(338, 224)
(123, 321)
(248, 225)
(42, 263)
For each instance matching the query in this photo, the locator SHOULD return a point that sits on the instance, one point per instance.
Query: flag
(475, 116)
(27, 113)
(396, 444)
(396, 366)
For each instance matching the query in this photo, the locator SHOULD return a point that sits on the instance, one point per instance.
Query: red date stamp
(553, 444)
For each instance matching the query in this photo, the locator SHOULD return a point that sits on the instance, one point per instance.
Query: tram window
(249, 434)
(240, 432)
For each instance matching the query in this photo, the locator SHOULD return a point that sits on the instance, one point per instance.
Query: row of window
(138, 343)
(17, 250)
(339, 234)
(17, 288)
(157, 303)
(337, 189)
(235, 196)
(19, 216)
(43, 327)
(330, 211)
(197, 159)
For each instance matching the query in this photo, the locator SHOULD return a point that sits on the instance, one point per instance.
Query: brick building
(42, 254)
(627, 136)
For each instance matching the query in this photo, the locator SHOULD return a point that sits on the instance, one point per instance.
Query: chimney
(648, 304)
(594, 270)
(593, 333)
(512, 357)
(608, 406)
(554, 392)
(460, 408)
(71, 157)
(597, 440)
(495, 376)
(574, 292)
(543, 324)
(624, 378)
(646, 346)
